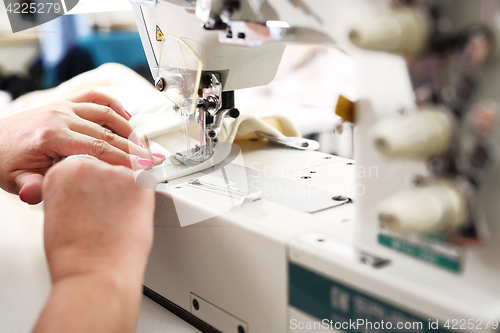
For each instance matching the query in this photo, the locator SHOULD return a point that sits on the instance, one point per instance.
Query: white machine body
(277, 265)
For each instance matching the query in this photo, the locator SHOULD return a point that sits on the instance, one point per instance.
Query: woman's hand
(90, 123)
(98, 233)
(96, 218)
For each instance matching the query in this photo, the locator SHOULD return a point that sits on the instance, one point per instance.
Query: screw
(196, 305)
(160, 84)
(212, 134)
(350, 163)
(241, 329)
(312, 171)
(305, 177)
(202, 104)
(241, 35)
(212, 102)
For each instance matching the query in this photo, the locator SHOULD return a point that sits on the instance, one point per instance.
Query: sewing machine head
(196, 72)
(201, 51)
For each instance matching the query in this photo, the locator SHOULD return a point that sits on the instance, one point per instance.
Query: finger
(97, 97)
(31, 187)
(145, 180)
(93, 130)
(78, 143)
(103, 116)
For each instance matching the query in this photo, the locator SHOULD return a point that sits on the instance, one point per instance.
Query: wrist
(112, 283)
(93, 302)
(66, 263)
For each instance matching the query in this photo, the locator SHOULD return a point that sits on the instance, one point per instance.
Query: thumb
(31, 187)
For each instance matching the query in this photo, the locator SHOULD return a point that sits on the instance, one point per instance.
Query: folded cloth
(154, 116)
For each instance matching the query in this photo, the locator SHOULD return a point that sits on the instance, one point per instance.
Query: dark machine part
(227, 100)
(216, 21)
(213, 106)
(213, 98)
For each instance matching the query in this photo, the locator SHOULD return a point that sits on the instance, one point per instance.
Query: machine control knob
(423, 134)
(234, 113)
(433, 207)
(403, 30)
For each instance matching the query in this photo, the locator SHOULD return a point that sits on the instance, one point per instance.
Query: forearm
(94, 302)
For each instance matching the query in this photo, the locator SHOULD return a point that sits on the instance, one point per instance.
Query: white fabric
(107, 75)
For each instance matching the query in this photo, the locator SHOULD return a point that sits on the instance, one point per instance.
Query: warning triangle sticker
(159, 34)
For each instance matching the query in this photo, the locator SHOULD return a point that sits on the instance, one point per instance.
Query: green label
(339, 306)
(422, 252)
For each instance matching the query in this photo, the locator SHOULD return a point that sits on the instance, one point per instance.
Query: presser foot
(192, 157)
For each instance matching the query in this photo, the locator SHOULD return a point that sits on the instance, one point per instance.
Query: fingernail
(145, 162)
(158, 155)
(128, 114)
(142, 145)
(21, 195)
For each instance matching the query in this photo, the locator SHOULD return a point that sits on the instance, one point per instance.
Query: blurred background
(51, 53)
(306, 88)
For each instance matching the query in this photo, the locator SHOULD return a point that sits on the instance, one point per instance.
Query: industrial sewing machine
(417, 251)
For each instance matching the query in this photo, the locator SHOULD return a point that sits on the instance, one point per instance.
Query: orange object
(345, 109)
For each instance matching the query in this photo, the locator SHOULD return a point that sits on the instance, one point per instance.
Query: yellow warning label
(159, 34)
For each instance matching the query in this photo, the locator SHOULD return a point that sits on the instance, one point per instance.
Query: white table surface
(25, 280)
